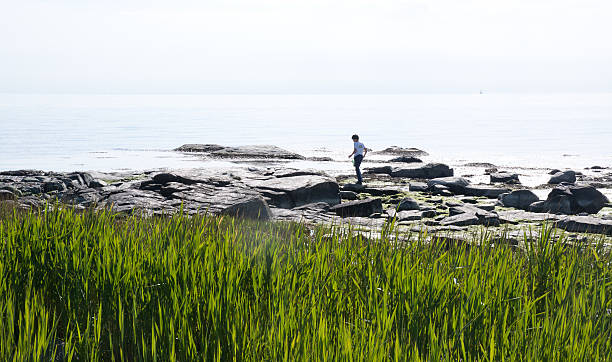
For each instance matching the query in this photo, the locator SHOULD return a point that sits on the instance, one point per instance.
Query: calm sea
(118, 132)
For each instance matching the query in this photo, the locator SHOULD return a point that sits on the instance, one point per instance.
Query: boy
(359, 151)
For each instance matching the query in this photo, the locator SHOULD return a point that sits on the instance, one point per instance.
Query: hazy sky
(305, 46)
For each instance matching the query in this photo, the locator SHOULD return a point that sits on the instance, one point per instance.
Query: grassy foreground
(97, 286)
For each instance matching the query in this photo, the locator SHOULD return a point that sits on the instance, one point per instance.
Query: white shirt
(359, 147)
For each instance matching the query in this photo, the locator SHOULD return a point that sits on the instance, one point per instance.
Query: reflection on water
(110, 132)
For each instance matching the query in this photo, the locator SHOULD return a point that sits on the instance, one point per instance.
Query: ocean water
(136, 132)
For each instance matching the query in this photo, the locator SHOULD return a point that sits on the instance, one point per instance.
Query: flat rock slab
(254, 151)
(585, 224)
(289, 192)
(487, 191)
(401, 151)
(428, 171)
(516, 216)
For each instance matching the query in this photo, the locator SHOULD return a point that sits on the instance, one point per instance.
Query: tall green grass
(98, 286)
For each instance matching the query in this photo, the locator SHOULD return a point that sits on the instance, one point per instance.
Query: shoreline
(262, 184)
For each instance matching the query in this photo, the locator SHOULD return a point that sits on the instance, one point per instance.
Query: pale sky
(305, 46)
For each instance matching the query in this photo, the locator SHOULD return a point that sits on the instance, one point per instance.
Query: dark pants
(358, 159)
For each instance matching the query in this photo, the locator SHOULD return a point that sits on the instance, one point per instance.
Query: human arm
(354, 151)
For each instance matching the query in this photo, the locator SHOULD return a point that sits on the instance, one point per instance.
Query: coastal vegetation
(97, 285)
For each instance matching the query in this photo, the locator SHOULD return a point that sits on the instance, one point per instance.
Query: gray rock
(412, 215)
(429, 213)
(299, 190)
(381, 191)
(406, 159)
(504, 177)
(384, 170)
(353, 188)
(554, 205)
(348, 195)
(572, 200)
(362, 208)
(7, 195)
(257, 151)
(565, 176)
(207, 148)
(455, 184)
(487, 191)
(428, 171)
(469, 218)
(55, 185)
(408, 203)
(585, 224)
(253, 208)
(417, 186)
(400, 151)
(519, 199)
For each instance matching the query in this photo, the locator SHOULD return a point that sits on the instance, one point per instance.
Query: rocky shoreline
(414, 194)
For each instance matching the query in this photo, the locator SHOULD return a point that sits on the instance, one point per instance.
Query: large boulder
(362, 208)
(454, 184)
(505, 177)
(571, 200)
(290, 192)
(563, 176)
(428, 171)
(519, 199)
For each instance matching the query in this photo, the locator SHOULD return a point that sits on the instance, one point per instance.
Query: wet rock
(504, 177)
(362, 208)
(428, 171)
(400, 151)
(487, 191)
(519, 199)
(455, 184)
(564, 176)
(406, 159)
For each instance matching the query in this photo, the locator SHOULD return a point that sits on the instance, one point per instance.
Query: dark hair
(355, 137)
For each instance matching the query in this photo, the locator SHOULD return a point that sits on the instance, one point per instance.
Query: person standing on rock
(359, 151)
